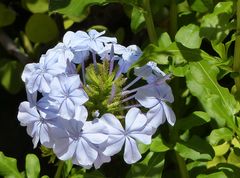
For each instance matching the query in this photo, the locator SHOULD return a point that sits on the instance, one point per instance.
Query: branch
(12, 49)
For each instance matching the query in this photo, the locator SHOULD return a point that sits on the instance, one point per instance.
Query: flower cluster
(88, 112)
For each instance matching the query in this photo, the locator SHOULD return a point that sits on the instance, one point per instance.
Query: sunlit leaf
(36, 6)
(213, 175)
(32, 166)
(75, 9)
(216, 25)
(193, 39)
(220, 134)
(216, 160)
(222, 149)
(216, 100)
(8, 167)
(157, 145)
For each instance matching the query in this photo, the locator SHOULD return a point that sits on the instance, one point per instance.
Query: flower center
(104, 91)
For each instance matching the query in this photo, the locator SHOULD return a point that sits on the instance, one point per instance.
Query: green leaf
(10, 75)
(8, 167)
(7, 16)
(200, 5)
(41, 28)
(157, 145)
(216, 100)
(195, 149)
(178, 52)
(220, 49)
(213, 175)
(193, 39)
(67, 167)
(220, 134)
(222, 149)
(151, 166)
(216, 25)
(164, 40)
(36, 6)
(197, 118)
(137, 19)
(233, 158)
(32, 166)
(75, 9)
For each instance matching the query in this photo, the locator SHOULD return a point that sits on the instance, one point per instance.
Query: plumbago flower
(90, 113)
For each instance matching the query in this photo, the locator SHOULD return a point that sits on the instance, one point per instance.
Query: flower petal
(134, 120)
(171, 118)
(131, 152)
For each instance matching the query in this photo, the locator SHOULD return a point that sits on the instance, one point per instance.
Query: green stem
(182, 166)
(59, 169)
(236, 62)
(173, 18)
(149, 22)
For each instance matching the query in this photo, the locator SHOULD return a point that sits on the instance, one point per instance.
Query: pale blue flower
(38, 123)
(155, 98)
(135, 129)
(38, 76)
(93, 39)
(79, 50)
(129, 55)
(67, 93)
(78, 140)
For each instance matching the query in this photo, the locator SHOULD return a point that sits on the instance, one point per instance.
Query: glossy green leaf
(75, 9)
(216, 100)
(157, 145)
(213, 175)
(36, 6)
(41, 28)
(151, 166)
(220, 134)
(8, 167)
(137, 19)
(216, 25)
(32, 166)
(7, 15)
(10, 75)
(193, 39)
(195, 149)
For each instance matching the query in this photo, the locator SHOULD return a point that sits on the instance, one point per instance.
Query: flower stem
(149, 22)
(236, 62)
(59, 169)
(181, 166)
